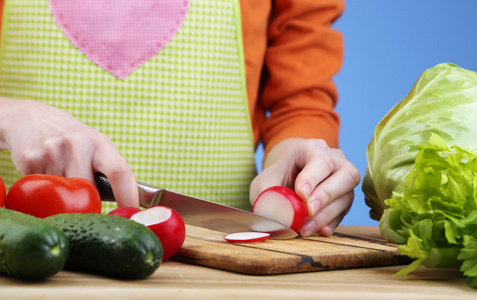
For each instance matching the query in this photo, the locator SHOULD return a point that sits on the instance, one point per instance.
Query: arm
(303, 55)
(46, 140)
(301, 133)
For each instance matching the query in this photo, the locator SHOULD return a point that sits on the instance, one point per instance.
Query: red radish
(240, 237)
(168, 226)
(282, 205)
(124, 211)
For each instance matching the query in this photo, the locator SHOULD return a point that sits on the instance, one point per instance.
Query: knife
(201, 213)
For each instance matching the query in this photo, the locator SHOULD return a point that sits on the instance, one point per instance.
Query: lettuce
(469, 255)
(423, 191)
(443, 101)
(435, 212)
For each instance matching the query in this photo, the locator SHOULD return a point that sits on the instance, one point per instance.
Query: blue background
(388, 44)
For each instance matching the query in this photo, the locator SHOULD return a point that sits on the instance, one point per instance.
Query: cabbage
(423, 191)
(443, 101)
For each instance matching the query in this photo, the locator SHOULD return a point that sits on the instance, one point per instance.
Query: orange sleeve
(1, 13)
(300, 56)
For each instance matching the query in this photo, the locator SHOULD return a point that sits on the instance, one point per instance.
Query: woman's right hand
(47, 140)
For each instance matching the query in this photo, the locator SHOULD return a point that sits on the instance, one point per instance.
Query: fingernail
(315, 206)
(306, 190)
(308, 229)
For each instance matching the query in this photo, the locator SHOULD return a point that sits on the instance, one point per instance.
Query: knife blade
(199, 212)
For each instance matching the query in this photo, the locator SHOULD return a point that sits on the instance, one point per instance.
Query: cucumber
(30, 248)
(109, 245)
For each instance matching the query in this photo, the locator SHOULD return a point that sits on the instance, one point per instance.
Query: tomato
(2, 192)
(45, 195)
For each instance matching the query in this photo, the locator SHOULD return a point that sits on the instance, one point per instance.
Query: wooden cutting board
(340, 251)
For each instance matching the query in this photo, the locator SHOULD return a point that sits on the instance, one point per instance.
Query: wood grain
(340, 251)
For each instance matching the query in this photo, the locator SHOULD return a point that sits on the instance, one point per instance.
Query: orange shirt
(291, 54)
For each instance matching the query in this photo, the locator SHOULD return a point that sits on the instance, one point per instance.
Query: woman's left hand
(321, 176)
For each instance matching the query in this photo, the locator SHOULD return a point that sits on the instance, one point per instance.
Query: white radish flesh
(240, 237)
(152, 216)
(275, 206)
(282, 205)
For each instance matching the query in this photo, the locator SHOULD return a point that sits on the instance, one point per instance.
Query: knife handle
(104, 187)
(148, 195)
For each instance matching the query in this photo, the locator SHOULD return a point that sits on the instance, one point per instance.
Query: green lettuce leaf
(435, 214)
(469, 255)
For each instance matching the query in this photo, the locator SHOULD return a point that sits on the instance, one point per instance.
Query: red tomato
(2, 192)
(45, 195)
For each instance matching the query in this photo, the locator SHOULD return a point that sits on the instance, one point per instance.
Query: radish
(168, 226)
(240, 237)
(282, 205)
(124, 211)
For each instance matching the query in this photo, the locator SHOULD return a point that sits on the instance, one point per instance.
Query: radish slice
(282, 205)
(244, 237)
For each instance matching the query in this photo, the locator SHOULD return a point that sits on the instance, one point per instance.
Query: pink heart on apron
(119, 35)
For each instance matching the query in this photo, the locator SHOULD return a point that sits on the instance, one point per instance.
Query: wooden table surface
(176, 280)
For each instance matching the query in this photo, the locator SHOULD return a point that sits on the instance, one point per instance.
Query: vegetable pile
(109, 245)
(33, 248)
(51, 223)
(421, 178)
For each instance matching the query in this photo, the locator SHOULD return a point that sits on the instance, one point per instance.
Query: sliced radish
(282, 205)
(124, 211)
(168, 226)
(241, 237)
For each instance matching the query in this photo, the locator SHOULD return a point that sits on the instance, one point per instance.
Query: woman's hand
(46, 140)
(321, 176)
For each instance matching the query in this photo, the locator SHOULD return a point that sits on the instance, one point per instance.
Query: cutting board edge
(300, 264)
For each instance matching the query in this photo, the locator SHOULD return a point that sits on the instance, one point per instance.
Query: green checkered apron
(181, 119)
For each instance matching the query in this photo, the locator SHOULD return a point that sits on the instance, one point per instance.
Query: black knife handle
(148, 195)
(104, 187)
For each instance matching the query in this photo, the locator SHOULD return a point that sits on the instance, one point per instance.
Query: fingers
(315, 163)
(46, 158)
(108, 161)
(124, 185)
(70, 156)
(62, 145)
(326, 176)
(331, 193)
(341, 180)
(103, 158)
(321, 176)
(327, 219)
(29, 163)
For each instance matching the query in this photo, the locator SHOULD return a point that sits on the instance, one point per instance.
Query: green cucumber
(30, 248)
(109, 245)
